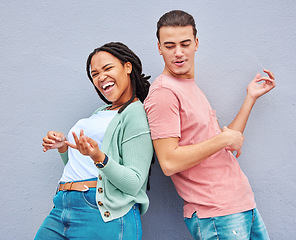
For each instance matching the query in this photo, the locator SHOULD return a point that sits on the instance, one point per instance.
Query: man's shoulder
(157, 83)
(160, 88)
(163, 83)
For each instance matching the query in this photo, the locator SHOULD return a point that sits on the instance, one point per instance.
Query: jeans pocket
(193, 226)
(57, 199)
(89, 198)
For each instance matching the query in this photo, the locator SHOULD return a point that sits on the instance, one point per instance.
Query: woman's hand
(54, 140)
(87, 146)
(261, 85)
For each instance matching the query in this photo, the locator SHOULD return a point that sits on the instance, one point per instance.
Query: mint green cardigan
(128, 145)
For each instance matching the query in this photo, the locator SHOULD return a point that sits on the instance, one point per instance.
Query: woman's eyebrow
(102, 67)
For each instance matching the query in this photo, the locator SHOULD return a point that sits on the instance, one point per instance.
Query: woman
(102, 191)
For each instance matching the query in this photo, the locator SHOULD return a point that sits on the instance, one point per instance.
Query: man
(191, 147)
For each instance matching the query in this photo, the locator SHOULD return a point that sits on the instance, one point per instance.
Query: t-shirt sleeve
(162, 109)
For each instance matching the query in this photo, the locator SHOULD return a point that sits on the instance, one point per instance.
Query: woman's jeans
(76, 216)
(240, 226)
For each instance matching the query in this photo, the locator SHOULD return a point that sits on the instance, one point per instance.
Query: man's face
(177, 45)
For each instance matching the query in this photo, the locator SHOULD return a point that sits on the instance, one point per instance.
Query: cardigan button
(100, 177)
(100, 190)
(100, 203)
(107, 214)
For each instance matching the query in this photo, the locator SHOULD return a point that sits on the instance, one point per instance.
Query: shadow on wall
(164, 219)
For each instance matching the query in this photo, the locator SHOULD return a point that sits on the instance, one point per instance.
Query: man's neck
(184, 76)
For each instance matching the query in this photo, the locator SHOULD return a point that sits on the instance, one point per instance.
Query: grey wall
(44, 46)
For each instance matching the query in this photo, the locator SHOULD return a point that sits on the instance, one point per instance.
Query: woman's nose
(102, 77)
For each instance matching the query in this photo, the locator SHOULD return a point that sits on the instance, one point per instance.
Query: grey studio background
(44, 46)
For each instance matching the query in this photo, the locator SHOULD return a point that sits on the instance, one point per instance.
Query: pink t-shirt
(217, 186)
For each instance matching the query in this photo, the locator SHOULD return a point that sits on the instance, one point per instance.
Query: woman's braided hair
(139, 81)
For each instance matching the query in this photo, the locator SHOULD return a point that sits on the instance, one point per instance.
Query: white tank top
(80, 167)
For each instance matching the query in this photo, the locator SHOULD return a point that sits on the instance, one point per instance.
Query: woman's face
(111, 78)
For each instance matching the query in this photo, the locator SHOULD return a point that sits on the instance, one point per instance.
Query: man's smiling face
(178, 45)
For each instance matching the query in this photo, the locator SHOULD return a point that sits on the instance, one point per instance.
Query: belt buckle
(86, 188)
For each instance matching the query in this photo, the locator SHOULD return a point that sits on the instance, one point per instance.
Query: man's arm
(257, 87)
(174, 158)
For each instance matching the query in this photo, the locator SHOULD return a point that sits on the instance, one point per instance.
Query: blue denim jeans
(76, 216)
(240, 226)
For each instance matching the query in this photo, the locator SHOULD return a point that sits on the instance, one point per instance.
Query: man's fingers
(265, 79)
(270, 74)
(258, 75)
(238, 153)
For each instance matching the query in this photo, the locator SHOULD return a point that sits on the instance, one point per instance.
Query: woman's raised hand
(53, 140)
(87, 146)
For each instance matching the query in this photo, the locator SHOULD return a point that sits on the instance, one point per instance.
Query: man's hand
(236, 140)
(261, 85)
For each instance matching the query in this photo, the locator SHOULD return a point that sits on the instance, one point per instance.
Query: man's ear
(196, 43)
(159, 48)
(128, 67)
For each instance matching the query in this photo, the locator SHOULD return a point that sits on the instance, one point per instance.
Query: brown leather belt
(77, 186)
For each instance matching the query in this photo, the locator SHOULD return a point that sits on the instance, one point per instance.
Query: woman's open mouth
(107, 87)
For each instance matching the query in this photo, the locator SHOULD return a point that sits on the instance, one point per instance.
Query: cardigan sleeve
(64, 157)
(129, 169)
(137, 154)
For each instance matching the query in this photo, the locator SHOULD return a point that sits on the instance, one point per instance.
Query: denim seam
(215, 228)
(65, 216)
(197, 224)
(253, 216)
(137, 224)
(122, 228)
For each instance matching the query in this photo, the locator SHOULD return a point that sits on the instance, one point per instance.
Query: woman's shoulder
(135, 114)
(134, 109)
(101, 108)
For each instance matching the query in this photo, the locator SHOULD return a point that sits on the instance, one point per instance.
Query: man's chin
(182, 74)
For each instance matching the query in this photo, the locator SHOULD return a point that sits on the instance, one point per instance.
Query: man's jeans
(76, 216)
(240, 226)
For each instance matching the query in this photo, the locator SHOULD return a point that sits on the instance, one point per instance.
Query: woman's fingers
(81, 143)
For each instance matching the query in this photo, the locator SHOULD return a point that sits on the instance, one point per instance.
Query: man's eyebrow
(169, 43)
(186, 40)
(102, 67)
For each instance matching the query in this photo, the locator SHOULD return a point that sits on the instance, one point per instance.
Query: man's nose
(179, 51)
